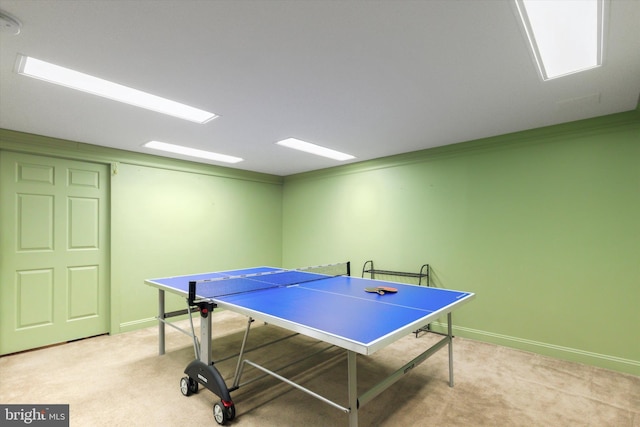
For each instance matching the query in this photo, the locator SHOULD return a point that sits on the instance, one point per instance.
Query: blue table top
(334, 309)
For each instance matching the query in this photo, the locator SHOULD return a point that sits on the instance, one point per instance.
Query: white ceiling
(368, 78)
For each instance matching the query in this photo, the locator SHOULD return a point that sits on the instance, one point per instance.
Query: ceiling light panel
(56, 74)
(318, 150)
(192, 152)
(565, 36)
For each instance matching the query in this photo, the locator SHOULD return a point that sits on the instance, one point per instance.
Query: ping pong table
(331, 308)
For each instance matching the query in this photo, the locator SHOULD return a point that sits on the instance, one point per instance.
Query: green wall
(167, 223)
(172, 217)
(544, 226)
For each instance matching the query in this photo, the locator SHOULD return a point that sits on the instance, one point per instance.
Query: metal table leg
(161, 313)
(353, 388)
(450, 336)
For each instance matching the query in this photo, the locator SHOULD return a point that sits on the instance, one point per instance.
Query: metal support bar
(180, 312)
(162, 322)
(166, 322)
(391, 379)
(163, 315)
(296, 385)
(295, 362)
(244, 342)
(233, 356)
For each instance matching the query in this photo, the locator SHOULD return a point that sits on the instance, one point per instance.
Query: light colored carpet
(121, 381)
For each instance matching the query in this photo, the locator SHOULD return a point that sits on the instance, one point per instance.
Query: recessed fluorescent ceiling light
(192, 152)
(566, 36)
(73, 79)
(297, 144)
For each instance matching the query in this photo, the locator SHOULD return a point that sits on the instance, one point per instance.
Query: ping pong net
(231, 285)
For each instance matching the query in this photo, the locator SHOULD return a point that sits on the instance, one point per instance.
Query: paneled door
(54, 275)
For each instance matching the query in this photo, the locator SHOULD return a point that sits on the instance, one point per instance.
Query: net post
(192, 292)
(348, 268)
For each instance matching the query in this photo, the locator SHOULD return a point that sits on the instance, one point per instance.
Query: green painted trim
(54, 147)
(545, 135)
(605, 361)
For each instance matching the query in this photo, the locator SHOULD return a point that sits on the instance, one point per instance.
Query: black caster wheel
(220, 413)
(188, 386)
(231, 412)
